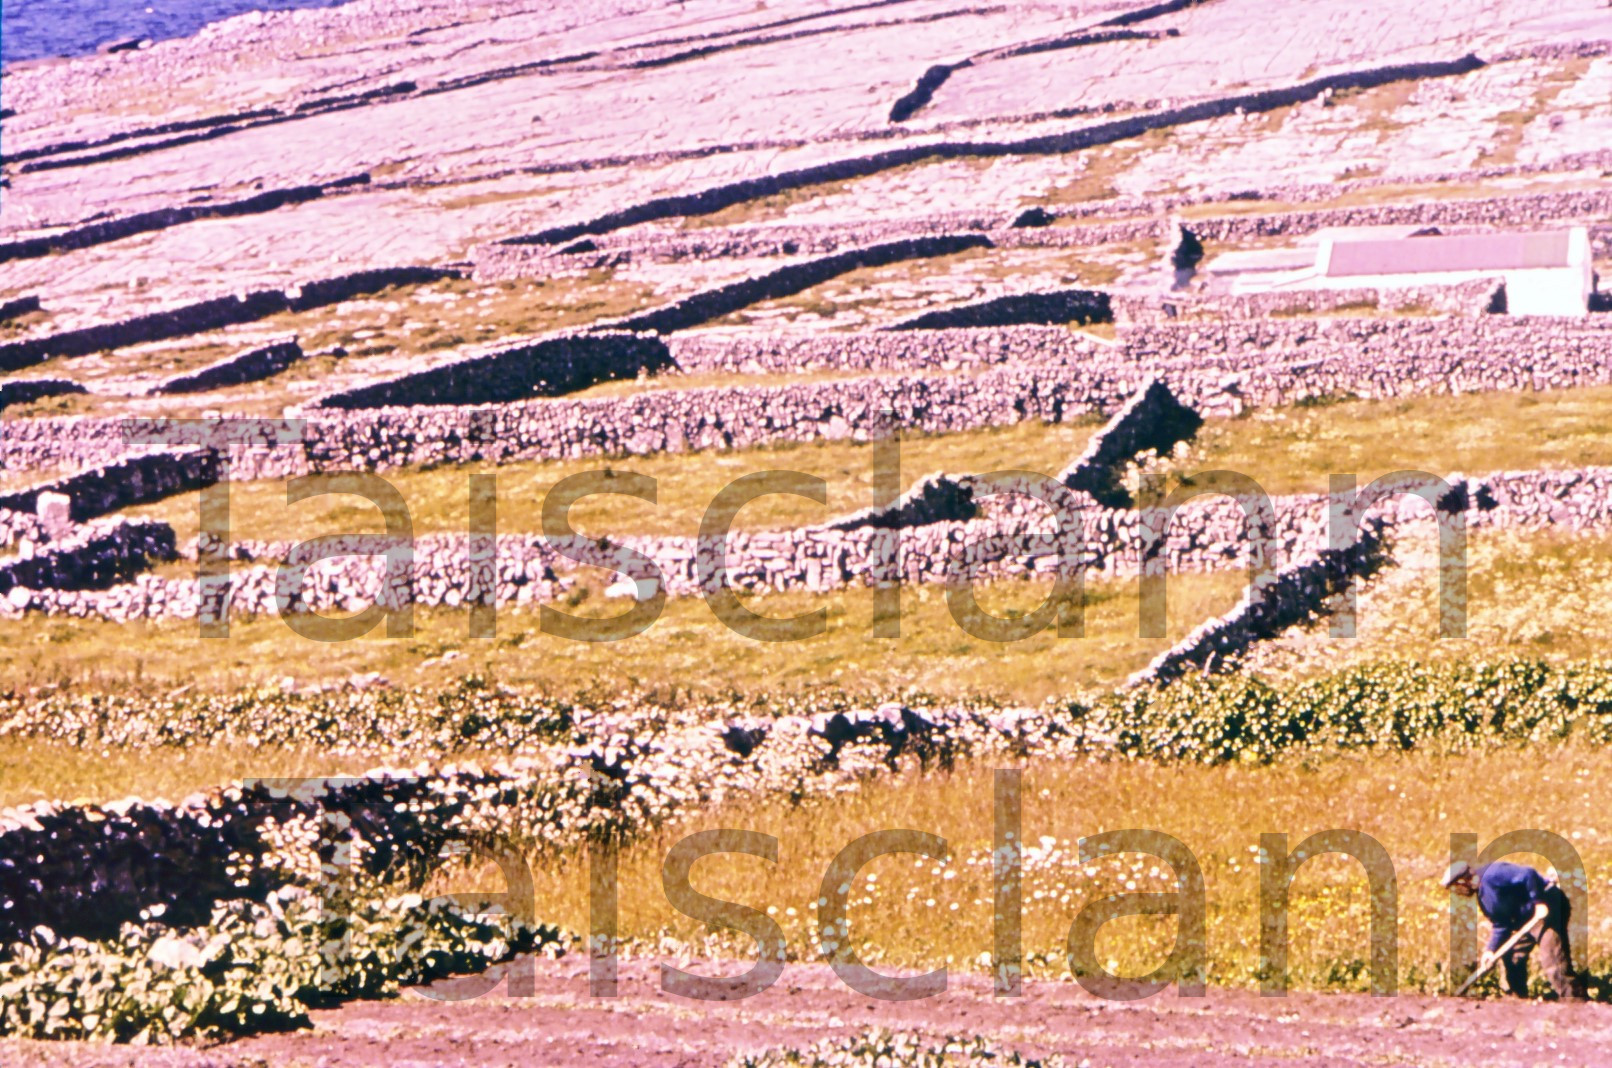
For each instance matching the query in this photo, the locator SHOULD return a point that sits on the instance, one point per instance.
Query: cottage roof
(1465, 252)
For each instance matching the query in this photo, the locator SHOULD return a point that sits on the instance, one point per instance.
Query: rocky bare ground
(489, 120)
(562, 1025)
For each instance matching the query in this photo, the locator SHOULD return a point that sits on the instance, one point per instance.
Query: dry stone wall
(1216, 368)
(712, 418)
(1480, 296)
(1014, 309)
(254, 365)
(135, 479)
(1601, 241)
(1012, 537)
(211, 314)
(1270, 606)
(84, 869)
(162, 218)
(790, 279)
(96, 556)
(935, 498)
(28, 390)
(1152, 421)
(108, 864)
(256, 448)
(718, 197)
(498, 261)
(19, 306)
(1562, 500)
(1213, 367)
(502, 260)
(1318, 192)
(533, 367)
(556, 365)
(767, 352)
(1271, 362)
(19, 527)
(1081, 235)
(923, 91)
(1526, 210)
(1518, 500)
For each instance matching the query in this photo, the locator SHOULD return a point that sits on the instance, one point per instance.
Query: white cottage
(1548, 273)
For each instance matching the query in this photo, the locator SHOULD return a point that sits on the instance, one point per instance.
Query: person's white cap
(1458, 870)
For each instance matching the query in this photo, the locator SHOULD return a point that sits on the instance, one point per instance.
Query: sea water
(35, 29)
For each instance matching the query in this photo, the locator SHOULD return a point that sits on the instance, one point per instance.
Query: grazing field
(1529, 594)
(1297, 449)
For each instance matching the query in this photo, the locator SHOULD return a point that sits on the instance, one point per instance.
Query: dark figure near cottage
(1511, 897)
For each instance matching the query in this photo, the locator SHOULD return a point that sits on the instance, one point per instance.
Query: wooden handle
(1501, 952)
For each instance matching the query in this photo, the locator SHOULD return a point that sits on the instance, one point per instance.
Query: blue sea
(35, 29)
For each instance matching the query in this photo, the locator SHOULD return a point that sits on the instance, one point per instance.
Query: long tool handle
(1494, 958)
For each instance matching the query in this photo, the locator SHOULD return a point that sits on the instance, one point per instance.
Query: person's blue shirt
(1507, 894)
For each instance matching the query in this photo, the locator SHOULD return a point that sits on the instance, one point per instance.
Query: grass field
(1296, 449)
(438, 498)
(1543, 594)
(1536, 593)
(914, 913)
(687, 647)
(1532, 594)
(35, 770)
(1286, 450)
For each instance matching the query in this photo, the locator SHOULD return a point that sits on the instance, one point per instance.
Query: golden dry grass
(1296, 449)
(909, 912)
(438, 498)
(1534, 594)
(35, 770)
(687, 647)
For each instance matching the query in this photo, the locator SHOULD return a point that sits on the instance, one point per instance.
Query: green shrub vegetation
(253, 967)
(1382, 705)
(1386, 704)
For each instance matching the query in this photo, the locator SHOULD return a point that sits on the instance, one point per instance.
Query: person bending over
(1512, 896)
